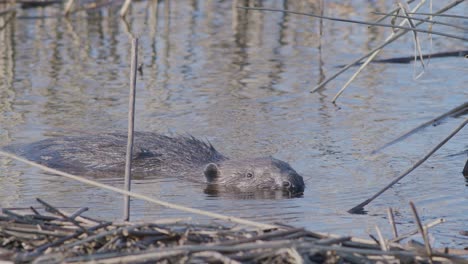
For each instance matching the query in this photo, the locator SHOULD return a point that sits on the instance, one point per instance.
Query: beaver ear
(211, 172)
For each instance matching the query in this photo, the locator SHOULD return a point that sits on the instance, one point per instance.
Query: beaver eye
(249, 175)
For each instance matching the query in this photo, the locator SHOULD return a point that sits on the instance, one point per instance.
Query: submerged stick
(131, 125)
(454, 112)
(360, 207)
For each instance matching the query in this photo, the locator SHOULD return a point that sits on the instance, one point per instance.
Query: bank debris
(51, 235)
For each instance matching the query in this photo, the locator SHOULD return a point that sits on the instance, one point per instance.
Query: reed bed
(51, 235)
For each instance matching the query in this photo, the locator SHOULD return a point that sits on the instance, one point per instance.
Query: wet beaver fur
(156, 154)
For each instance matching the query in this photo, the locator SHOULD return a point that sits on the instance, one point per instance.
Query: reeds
(397, 32)
(131, 126)
(360, 207)
(51, 235)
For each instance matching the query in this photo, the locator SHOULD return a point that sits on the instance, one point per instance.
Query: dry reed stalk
(68, 7)
(360, 207)
(422, 231)
(383, 244)
(391, 219)
(422, 19)
(125, 7)
(56, 211)
(212, 257)
(265, 236)
(8, 10)
(391, 13)
(406, 29)
(441, 15)
(427, 226)
(453, 112)
(78, 212)
(141, 196)
(181, 242)
(7, 21)
(374, 54)
(379, 47)
(131, 128)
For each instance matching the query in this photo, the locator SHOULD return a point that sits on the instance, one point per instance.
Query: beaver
(160, 155)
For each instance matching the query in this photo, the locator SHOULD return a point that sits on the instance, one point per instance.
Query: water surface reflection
(240, 79)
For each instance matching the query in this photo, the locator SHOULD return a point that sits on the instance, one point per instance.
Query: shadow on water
(213, 190)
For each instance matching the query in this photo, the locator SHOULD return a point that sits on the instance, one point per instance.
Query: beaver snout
(294, 183)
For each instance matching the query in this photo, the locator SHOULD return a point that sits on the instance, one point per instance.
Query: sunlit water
(241, 80)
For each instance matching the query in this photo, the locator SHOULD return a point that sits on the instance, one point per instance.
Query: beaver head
(254, 174)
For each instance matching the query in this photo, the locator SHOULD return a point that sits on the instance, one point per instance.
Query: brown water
(242, 81)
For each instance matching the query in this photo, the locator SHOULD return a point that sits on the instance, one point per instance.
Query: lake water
(242, 80)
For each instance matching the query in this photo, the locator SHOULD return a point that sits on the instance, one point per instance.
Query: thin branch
(323, 83)
(370, 58)
(417, 45)
(356, 21)
(131, 125)
(391, 13)
(424, 20)
(141, 196)
(125, 7)
(406, 235)
(391, 219)
(68, 7)
(453, 112)
(360, 207)
(383, 244)
(441, 15)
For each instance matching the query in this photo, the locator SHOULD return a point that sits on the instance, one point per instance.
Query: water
(242, 81)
